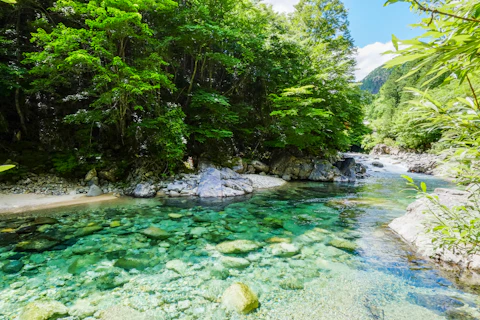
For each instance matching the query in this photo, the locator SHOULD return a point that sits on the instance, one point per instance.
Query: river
(348, 265)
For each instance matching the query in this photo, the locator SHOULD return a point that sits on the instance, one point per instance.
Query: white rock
(284, 249)
(264, 182)
(413, 225)
(240, 298)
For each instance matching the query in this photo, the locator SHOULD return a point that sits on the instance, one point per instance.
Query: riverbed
(346, 263)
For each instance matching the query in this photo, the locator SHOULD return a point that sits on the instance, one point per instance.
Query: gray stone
(94, 191)
(377, 164)
(144, 190)
(210, 185)
(323, 171)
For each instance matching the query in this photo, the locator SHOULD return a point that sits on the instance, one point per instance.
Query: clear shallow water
(351, 266)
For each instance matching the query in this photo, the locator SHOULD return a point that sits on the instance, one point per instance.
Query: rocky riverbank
(414, 225)
(415, 162)
(209, 181)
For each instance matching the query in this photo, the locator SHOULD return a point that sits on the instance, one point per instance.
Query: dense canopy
(153, 82)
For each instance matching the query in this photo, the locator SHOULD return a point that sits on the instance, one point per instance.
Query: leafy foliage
(157, 81)
(450, 46)
(454, 228)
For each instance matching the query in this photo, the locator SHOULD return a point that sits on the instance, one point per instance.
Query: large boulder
(108, 175)
(90, 175)
(324, 171)
(347, 166)
(421, 215)
(94, 191)
(144, 190)
(260, 166)
(292, 167)
(422, 166)
(264, 182)
(210, 185)
(380, 149)
(240, 298)
(43, 310)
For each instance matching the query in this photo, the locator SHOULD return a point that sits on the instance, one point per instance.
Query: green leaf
(409, 179)
(423, 186)
(6, 167)
(395, 41)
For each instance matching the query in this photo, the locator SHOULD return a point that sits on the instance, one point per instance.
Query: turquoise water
(349, 265)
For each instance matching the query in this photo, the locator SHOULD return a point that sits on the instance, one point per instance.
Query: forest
(149, 83)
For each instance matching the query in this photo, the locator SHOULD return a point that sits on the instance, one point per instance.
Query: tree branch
(423, 8)
(473, 91)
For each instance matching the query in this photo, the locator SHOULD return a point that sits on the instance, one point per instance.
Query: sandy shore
(20, 203)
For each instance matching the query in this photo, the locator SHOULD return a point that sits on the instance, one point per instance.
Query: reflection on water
(345, 263)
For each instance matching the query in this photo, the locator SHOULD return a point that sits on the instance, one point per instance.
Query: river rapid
(346, 263)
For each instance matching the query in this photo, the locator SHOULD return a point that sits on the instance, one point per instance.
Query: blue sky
(371, 26)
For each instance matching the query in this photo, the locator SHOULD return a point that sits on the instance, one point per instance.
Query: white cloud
(282, 5)
(370, 57)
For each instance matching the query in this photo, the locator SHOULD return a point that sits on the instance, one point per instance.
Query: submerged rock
(43, 310)
(279, 240)
(81, 264)
(236, 263)
(44, 220)
(292, 284)
(344, 244)
(155, 233)
(240, 298)
(12, 266)
(178, 266)
(237, 246)
(131, 263)
(121, 313)
(82, 309)
(284, 249)
(36, 245)
(8, 238)
(88, 230)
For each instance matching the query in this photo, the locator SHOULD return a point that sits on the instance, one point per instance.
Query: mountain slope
(375, 80)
